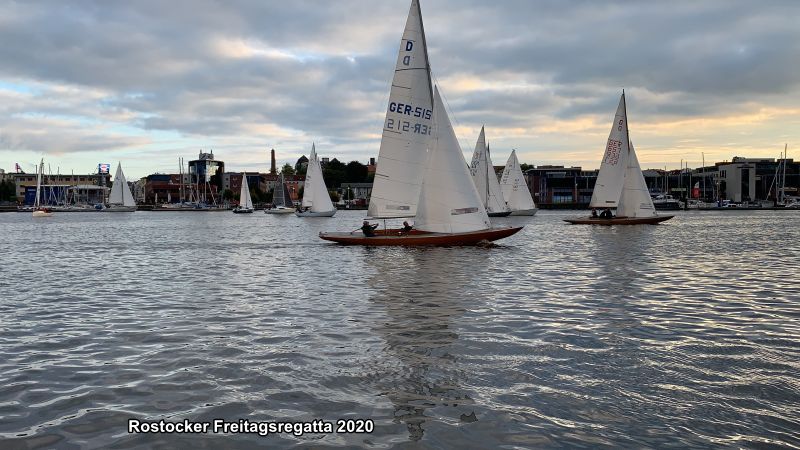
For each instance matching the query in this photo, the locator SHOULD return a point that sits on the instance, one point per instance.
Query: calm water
(685, 334)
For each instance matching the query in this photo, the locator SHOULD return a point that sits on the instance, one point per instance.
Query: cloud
(243, 76)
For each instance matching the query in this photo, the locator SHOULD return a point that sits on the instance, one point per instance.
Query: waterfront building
(205, 174)
(61, 189)
(358, 193)
(561, 187)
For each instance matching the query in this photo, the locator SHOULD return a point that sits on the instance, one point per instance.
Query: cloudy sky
(144, 82)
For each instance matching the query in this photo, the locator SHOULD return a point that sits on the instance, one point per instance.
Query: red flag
(696, 190)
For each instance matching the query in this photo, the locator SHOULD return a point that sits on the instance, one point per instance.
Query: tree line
(8, 191)
(335, 172)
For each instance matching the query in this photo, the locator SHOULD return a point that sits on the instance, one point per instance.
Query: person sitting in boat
(368, 229)
(594, 213)
(406, 228)
(606, 214)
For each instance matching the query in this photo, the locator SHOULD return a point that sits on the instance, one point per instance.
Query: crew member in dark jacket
(367, 229)
(406, 228)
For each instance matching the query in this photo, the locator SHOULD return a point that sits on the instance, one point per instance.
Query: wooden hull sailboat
(619, 220)
(525, 212)
(620, 183)
(42, 213)
(421, 171)
(396, 237)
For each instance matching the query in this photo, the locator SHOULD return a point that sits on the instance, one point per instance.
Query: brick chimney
(272, 169)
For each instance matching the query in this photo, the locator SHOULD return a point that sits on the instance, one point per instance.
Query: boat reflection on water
(421, 374)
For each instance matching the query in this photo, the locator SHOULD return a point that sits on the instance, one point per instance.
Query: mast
(425, 48)
(38, 183)
(704, 176)
(783, 177)
(486, 157)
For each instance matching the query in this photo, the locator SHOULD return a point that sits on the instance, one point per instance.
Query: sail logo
(410, 110)
(407, 58)
(459, 211)
(612, 152)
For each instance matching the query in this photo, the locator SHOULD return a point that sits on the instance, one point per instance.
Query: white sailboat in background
(485, 179)
(281, 200)
(421, 171)
(38, 209)
(245, 201)
(120, 199)
(620, 182)
(515, 189)
(316, 200)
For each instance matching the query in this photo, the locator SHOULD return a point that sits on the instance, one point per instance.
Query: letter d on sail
(409, 46)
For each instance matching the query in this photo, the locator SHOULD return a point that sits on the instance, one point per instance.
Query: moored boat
(38, 209)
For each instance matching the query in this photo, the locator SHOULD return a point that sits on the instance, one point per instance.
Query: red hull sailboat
(421, 171)
(620, 183)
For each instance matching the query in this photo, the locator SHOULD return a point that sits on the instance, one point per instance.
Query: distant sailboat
(120, 199)
(515, 189)
(485, 179)
(38, 209)
(281, 200)
(620, 182)
(421, 171)
(245, 201)
(316, 200)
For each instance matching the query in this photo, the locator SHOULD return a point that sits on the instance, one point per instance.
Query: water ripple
(683, 335)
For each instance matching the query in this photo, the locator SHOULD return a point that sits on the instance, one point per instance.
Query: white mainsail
(448, 202)
(635, 200)
(515, 190)
(614, 165)
(485, 178)
(315, 193)
(120, 192)
(407, 127)
(245, 201)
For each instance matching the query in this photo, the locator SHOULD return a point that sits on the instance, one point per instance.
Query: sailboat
(485, 179)
(316, 200)
(449, 209)
(120, 199)
(245, 202)
(620, 182)
(281, 200)
(515, 189)
(421, 170)
(38, 209)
